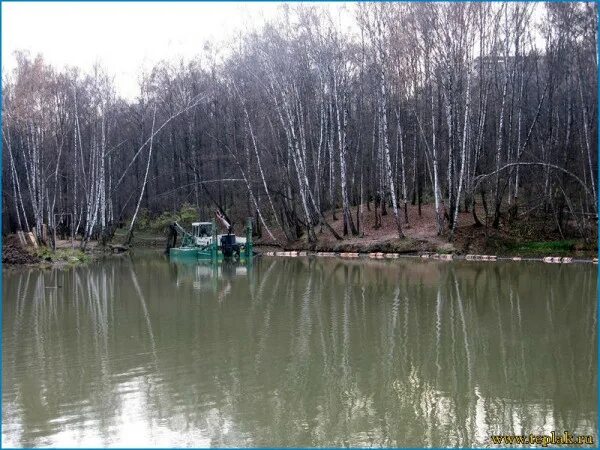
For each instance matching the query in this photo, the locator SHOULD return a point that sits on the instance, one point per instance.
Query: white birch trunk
(137, 208)
(463, 154)
(386, 145)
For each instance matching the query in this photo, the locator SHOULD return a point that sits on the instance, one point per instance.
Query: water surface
(297, 352)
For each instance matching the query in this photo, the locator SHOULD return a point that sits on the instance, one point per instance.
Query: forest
(316, 125)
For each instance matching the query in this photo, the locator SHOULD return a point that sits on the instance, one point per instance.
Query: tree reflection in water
(297, 352)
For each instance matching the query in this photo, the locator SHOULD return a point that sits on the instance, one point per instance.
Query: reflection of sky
(309, 353)
(135, 428)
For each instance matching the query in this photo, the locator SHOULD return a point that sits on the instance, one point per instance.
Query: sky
(129, 38)
(124, 38)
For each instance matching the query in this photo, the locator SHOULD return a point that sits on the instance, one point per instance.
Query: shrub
(185, 216)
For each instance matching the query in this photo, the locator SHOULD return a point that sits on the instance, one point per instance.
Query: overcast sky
(122, 37)
(126, 38)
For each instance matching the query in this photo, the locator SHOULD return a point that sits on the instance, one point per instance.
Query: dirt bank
(532, 238)
(14, 253)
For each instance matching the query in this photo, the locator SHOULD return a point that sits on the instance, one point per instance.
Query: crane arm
(180, 229)
(224, 220)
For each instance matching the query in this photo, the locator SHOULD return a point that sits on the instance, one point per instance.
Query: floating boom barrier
(428, 255)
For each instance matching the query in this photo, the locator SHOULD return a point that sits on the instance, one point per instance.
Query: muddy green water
(141, 351)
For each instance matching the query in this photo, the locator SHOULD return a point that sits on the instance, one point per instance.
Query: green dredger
(203, 243)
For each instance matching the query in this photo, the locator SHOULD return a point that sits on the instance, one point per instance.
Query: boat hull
(195, 253)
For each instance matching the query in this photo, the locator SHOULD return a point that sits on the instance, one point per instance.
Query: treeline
(468, 106)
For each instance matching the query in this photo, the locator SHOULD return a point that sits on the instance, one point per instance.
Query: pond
(140, 351)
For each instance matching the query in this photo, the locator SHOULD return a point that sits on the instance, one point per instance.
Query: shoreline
(369, 249)
(45, 258)
(62, 264)
(448, 257)
(423, 249)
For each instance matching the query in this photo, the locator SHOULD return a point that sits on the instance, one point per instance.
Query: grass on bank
(557, 248)
(66, 255)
